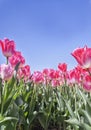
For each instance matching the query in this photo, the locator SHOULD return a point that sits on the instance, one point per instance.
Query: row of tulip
(44, 100)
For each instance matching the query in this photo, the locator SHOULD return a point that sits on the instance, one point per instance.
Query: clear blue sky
(46, 31)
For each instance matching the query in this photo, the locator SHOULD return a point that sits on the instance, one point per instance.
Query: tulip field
(51, 99)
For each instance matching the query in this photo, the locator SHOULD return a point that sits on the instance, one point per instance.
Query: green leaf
(60, 101)
(42, 120)
(86, 116)
(81, 94)
(6, 105)
(13, 110)
(8, 89)
(27, 96)
(6, 119)
(69, 108)
(32, 117)
(11, 125)
(85, 126)
(73, 121)
(88, 109)
(19, 101)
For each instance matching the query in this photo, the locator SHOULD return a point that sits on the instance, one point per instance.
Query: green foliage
(24, 106)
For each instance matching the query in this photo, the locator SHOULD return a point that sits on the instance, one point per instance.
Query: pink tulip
(87, 58)
(55, 83)
(38, 77)
(62, 67)
(51, 74)
(17, 58)
(47, 78)
(73, 76)
(53, 77)
(24, 72)
(8, 47)
(83, 56)
(6, 71)
(45, 72)
(87, 83)
(54, 74)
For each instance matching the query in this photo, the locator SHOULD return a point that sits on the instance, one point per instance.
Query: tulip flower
(6, 71)
(83, 56)
(73, 77)
(54, 74)
(87, 83)
(38, 77)
(8, 47)
(62, 67)
(17, 58)
(24, 72)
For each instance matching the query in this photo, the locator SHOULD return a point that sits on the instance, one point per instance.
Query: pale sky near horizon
(46, 31)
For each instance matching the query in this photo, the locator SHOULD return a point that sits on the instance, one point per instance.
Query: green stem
(75, 98)
(1, 96)
(2, 103)
(64, 125)
(0, 91)
(7, 60)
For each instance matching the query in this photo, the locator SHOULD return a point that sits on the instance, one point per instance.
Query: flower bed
(48, 100)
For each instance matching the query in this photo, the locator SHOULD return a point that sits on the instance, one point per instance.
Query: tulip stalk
(7, 60)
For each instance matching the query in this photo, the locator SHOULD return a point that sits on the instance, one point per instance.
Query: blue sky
(46, 31)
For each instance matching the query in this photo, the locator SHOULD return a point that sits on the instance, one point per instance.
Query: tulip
(54, 74)
(87, 83)
(6, 72)
(37, 77)
(8, 47)
(17, 58)
(83, 56)
(24, 72)
(73, 77)
(62, 67)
